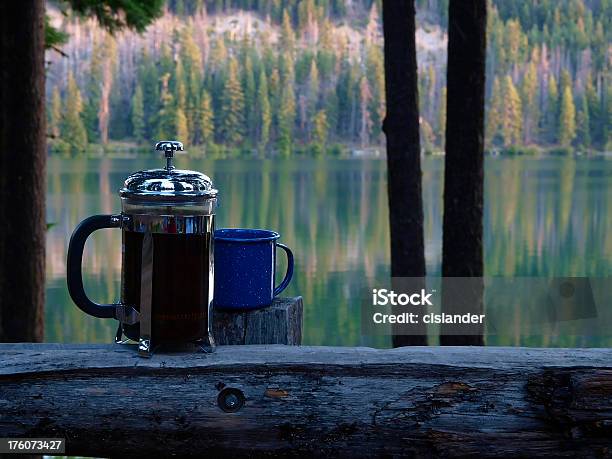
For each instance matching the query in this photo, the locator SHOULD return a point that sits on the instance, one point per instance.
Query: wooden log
(491, 402)
(281, 323)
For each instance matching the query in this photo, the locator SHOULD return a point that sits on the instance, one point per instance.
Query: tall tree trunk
(104, 112)
(401, 127)
(22, 170)
(464, 163)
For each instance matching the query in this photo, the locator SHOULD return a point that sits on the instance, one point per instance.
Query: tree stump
(280, 323)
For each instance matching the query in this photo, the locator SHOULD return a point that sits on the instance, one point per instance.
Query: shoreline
(133, 150)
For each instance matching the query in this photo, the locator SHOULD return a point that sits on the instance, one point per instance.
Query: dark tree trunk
(401, 127)
(464, 164)
(22, 170)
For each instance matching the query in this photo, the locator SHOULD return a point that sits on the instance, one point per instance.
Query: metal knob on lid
(169, 147)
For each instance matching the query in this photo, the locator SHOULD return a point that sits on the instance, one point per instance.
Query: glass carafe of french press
(167, 222)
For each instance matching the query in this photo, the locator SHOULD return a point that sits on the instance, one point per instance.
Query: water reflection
(543, 217)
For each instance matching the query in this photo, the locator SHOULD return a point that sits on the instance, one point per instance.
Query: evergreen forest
(307, 76)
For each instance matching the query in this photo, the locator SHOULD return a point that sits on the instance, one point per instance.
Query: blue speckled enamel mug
(245, 264)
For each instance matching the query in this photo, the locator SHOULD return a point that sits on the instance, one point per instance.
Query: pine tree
(180, 123)
(376, 79)
(248, 85)
(193, 103)
(206, 120)
(355, 96)
(529, 92)
(218, 54)
(274, 95)
(306, 16)
(319, 131)
(165, 122)
(286, 68)
(331, 111)
(422, 92)
(552, 110)
(286, 120)
(191, 58)
(98, 90)
(287, 37)
(264, 115)
(595, 112)
(232, 114)
(313, 88)
(431, 84)
(496, 43)
(348, 100)
(73, 130)
(427, 135)
(165, 59)
(512, 119)
(55, 113)
(149, 81)
(442, 118)
(138, 122)
(494, 114)
(93, 91)
(326, 58)
(343, 91)
(567, 118)
(106, 83)
(607, 113)
(366, 122)
(583, 121)
(179, 87)
(565, 81)
(514, 42)
(371, 30)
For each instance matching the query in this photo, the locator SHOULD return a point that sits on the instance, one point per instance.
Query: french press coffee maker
(167, 276)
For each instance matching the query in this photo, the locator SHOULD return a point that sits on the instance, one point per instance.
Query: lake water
(543, 217)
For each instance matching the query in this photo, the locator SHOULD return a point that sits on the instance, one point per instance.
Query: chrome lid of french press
(168, 184)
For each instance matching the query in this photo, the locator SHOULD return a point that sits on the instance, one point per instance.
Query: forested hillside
(291, 76)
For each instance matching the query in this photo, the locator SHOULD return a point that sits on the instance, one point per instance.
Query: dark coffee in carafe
(180, 289)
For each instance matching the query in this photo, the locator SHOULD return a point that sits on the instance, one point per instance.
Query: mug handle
(74, 263)
(289, 274)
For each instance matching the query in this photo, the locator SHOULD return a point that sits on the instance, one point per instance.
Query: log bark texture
(281, 323)
(401, 128)
(22, 170)
(317, 401)
(462, 253)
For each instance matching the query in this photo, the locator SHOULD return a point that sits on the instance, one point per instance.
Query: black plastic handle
(75, 265)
